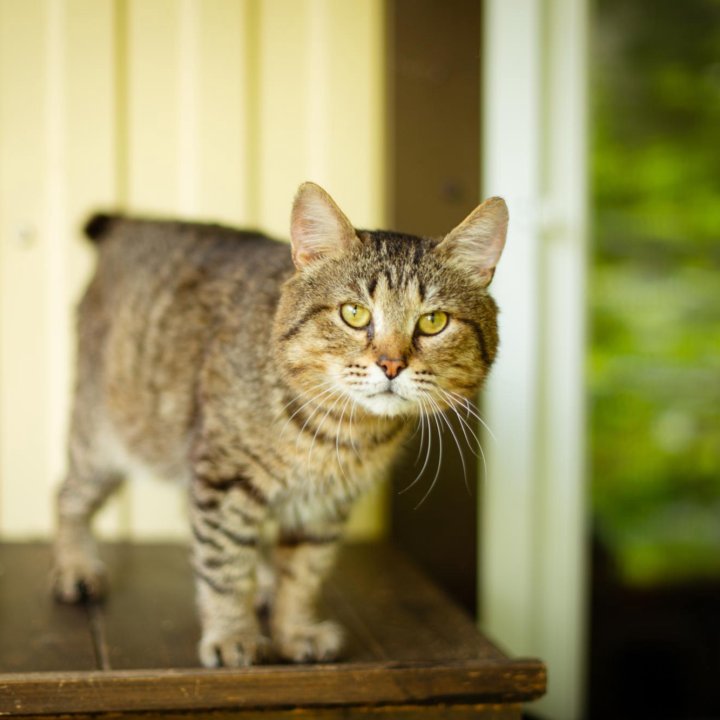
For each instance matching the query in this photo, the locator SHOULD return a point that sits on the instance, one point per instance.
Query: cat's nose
(391, 366)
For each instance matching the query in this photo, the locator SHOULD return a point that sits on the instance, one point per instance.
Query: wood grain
(271, 687)
(389, 712)
(409, 647)
(149, 619)
(36, 633)
(404, 616)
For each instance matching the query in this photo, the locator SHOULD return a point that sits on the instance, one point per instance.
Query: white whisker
(421, 425)
(472, 409)
(465, 423)
(439, 465)
(314, 399)
(455, 438)
(425, 418)
(337, 436)
(319, 386)
(350, 429)
(322, 422)
(319, 408)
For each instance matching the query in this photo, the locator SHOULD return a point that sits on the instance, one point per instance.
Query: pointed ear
(478, 241)
(318, 228)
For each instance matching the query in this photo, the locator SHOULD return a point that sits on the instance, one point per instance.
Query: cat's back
(162, 294)
(133, 250)
(187, 276)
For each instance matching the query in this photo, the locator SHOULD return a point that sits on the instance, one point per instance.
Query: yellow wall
(201, 108)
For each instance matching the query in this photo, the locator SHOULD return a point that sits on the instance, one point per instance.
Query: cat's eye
(355, 315)
(432, 323)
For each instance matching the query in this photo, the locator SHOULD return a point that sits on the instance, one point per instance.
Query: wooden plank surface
(408, 645)
(149, 619)
(37, 634)
(388, 608)
(271, 687)
(378, 591)
(388, 712)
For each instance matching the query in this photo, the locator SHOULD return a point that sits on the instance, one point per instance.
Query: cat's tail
(99, 226)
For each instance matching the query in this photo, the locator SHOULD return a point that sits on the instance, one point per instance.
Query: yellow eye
(355, 315)
(432, 323)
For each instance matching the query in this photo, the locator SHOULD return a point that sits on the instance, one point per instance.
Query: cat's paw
(79, 579)
(234, 650)
(321, 642)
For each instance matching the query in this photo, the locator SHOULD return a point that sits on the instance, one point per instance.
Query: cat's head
(393, 322)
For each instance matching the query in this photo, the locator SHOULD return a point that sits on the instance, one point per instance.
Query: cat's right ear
(318, 228)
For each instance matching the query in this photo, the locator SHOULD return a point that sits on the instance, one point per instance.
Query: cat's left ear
(478, 241)
(318, 228)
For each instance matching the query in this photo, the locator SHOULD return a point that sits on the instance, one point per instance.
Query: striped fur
(205, 355)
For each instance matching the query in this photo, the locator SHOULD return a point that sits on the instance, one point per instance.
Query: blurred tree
(655, 286)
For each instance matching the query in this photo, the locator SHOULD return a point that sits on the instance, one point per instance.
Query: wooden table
(410, 652)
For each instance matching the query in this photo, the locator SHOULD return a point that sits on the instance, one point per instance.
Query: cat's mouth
(386, 402)
(390, 399)
(388, 392)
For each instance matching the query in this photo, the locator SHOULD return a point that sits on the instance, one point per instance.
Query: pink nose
(391, 366)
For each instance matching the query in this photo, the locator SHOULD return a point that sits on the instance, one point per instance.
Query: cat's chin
(388, 404)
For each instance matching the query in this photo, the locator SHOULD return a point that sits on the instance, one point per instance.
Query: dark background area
(434, 183)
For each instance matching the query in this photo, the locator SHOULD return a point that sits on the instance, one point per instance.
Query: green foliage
(655, 286)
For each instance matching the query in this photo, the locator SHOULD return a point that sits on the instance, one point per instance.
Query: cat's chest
(330, 454)
(353, 460)
(293, 448)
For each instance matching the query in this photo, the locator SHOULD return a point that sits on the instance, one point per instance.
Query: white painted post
(533, 544)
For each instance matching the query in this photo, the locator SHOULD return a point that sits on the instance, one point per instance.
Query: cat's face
(392, 323)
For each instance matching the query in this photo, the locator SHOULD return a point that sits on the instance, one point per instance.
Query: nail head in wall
(26, 235)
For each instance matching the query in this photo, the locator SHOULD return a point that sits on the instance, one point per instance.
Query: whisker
(439, 465)
(322, 422)
(319, 408)
(421, 426)
(350, 430)
(463, 423)
(314, 398)
(424, 416)
(455, 438)
(465, 427)
(473, 410)
(477, 439)
(415, 431)
(337, 436)
(326, 383)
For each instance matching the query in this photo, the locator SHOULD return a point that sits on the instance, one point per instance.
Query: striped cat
(278, 386)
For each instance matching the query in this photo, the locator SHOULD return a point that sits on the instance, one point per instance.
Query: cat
(278, 381)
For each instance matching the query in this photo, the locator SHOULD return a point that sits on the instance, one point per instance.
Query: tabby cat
(278, 386)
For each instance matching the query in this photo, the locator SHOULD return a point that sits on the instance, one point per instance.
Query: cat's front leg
(304, 556)
(226, 519)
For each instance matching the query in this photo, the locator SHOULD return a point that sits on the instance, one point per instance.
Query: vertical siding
(320, 105)
(226, 109)
(92, 177)
(201, 108)
(24, 382)
(161, 156)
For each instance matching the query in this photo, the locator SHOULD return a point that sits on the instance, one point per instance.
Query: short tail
(99, 226)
